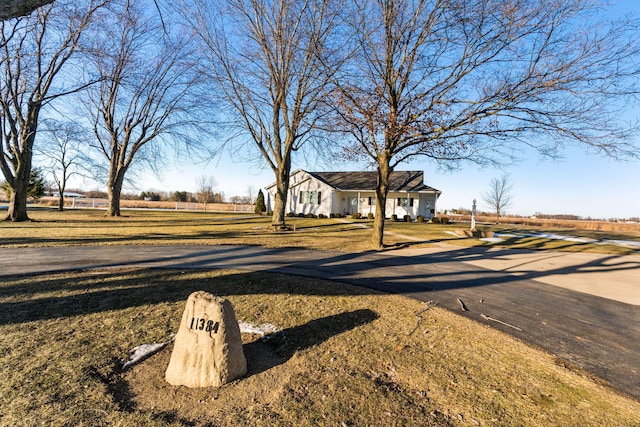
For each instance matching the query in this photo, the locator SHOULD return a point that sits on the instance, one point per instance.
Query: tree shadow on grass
(115, 385)
(43, 296)
(275, 349)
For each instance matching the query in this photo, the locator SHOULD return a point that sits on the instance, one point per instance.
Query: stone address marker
(208, 347)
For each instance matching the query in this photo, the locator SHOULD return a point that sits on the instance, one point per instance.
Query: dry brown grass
(87, 226)
(622, 227)
(345, 356)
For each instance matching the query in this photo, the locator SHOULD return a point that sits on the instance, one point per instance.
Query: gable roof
(400, 181)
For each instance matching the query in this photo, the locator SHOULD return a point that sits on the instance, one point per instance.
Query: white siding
(307, 183)
(301, 181)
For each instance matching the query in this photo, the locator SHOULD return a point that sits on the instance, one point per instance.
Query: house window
(310, 197)
(405, 202)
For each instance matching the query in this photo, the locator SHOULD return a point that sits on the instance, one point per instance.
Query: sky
(579, 184)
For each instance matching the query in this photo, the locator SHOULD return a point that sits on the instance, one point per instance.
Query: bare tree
(17, 8)
(265, 59)
(62, 153)
(146, 100)
(250, 191)
(34, 52)
(479, 80)
(205, 187)
(499, 196)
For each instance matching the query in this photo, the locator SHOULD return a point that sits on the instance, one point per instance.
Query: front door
(352, 205)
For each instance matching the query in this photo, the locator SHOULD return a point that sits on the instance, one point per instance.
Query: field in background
(595, 225)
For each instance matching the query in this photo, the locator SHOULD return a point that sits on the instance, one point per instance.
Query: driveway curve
(555, 301)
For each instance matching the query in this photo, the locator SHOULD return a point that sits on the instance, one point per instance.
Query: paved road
(599, 335)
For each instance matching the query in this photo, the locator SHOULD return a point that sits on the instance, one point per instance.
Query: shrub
(321, 216)
(291, 214)
(370, 215)
(435, 220)
(444, 220)
(338, 215)
(407, 218)
(420, 218)
(356, 216)
(300, 215)
(35, 189)
(259, 207)
(332, 215)
(394, 217)
(310, 215)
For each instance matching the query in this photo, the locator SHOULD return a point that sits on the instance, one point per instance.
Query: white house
(348, 193)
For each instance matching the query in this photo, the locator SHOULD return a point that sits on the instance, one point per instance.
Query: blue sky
(580, 184)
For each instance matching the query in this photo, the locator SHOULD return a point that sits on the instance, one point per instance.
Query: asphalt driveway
(559, 304)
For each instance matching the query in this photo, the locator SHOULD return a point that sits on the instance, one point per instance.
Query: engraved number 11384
(204, 325)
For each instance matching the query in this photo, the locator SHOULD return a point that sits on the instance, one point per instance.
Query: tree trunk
(18, 200)
(282, 190)
(382, 189)
(62, 185)
(15, 8)
(20, 188)
(114, 190)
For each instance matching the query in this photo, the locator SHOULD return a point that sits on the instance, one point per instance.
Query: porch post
(435, 205)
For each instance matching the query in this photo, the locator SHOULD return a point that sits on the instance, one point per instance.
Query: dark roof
(367, 181)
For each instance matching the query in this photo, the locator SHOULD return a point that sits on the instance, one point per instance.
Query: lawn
(81, 227)
(343, 356)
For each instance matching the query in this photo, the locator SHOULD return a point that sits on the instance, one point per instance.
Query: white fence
(99, 203)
